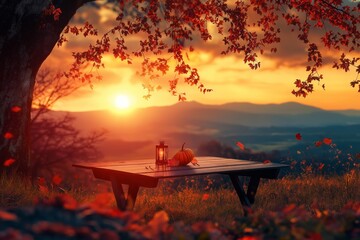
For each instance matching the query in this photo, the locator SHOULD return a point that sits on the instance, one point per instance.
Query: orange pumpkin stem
(182, 148)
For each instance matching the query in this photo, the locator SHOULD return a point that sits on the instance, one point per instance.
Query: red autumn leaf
(102, 200)
(194, 161)
(321, 166)
(8, 135)
(298, 136)
(9, 162)
(248, 230)
(357, 155)
(56, 180)
(289, 208)
(16, 109)
(205, 196)
(56, 13)
(250, 238)
(41, 181)
(240, 145)
(327, 141)
(266, 161)
(56, 229)
(318, 143)
(7, 216)
(70, 203)
(43, 189)
(315, 236)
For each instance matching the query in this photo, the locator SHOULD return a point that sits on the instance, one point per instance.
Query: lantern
(161, 153)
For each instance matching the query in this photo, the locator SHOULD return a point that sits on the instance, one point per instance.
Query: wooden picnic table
(144, 173)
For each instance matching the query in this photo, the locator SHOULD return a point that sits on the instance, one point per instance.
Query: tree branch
(337, 9)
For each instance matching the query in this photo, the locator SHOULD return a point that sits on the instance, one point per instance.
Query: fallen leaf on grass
(102, 200)
(43, 189)
(56, 179)
(205, 196)
(41, 181)
(69, 202)
(289, 208)
(54, 229)
(298, 136)
(11, 233)
(315, 236)
(250, 238)
(248, 230)
(108, 234)
(7, 216)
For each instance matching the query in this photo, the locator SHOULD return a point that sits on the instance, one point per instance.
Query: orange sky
(230, 79)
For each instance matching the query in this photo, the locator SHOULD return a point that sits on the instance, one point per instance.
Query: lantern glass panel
(161, 153)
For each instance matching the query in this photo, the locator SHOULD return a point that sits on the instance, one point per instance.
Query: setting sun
(122, 102)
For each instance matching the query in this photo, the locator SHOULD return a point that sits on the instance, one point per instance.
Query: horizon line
(209, 104)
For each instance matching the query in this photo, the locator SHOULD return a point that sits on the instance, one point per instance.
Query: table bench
(144, 173)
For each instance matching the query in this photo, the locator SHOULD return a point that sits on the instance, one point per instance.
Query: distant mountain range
(262, 127)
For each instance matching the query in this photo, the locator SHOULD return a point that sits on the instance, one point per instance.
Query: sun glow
(122, 102)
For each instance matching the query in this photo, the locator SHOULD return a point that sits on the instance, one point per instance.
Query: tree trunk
(27, 36)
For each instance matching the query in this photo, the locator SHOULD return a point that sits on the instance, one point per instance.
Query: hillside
(261, 127)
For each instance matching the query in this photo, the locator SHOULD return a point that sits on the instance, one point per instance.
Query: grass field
(305, 207)
(194, 200)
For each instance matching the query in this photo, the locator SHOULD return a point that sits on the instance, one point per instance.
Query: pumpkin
(184, 156)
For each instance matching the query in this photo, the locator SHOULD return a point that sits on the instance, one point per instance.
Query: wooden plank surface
(206, 165)
(151, 162)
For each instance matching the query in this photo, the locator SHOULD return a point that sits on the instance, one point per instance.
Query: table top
(206, 165)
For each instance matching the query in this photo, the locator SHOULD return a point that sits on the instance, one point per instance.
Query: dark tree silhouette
(49, 88)
(55, 143)
(29, 29)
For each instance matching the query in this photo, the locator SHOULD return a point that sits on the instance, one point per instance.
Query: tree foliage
(247, 28)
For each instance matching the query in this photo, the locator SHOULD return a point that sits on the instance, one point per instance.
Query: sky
(229, 78)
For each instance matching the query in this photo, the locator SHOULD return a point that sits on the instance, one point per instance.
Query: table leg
(119, 194)
(252, 188)
(238, 185)
(131, 198)
(122, 202)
